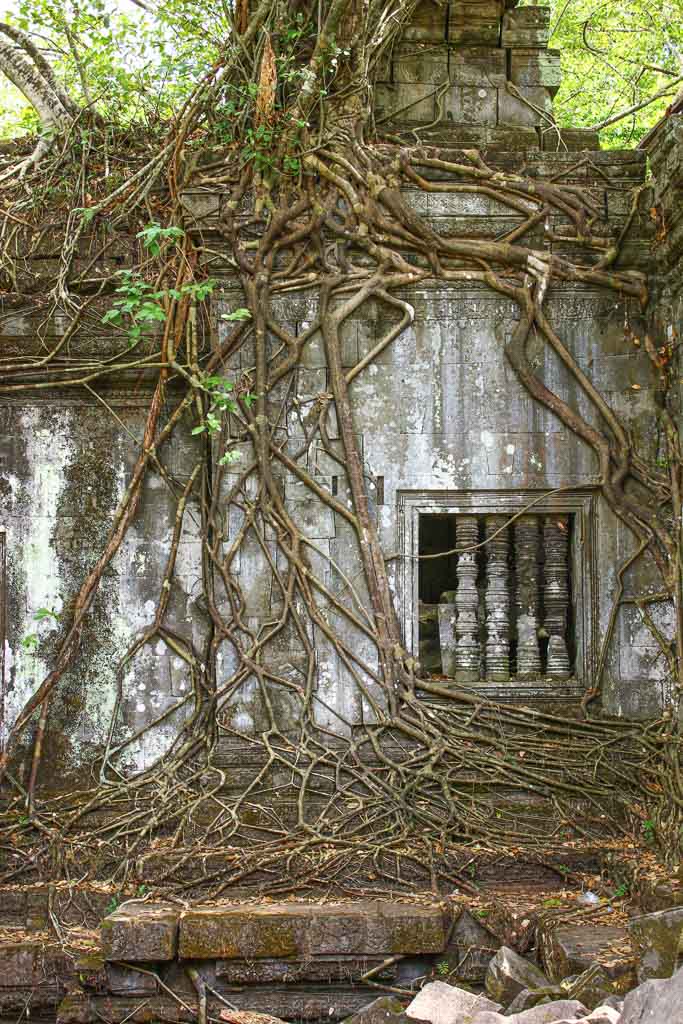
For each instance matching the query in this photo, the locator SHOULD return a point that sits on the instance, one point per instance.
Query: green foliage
(616, 54)
(138, 308)
(114, 902)
(30, 641)
(443, 968)
(155, 238)
(222, 400)
(137, 66)
(649, 830)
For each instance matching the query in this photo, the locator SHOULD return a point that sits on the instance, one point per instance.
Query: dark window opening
(497, 605)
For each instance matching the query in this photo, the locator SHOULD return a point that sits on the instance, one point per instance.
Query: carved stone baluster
(556, 594)
(467, 648)
(527, 592)
(447, 611)
(497, 600)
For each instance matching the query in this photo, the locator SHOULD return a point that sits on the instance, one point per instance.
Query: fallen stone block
(571, 949)
(657, 940)
(508, 974)
(655, 1002)
(274, 931)
(140, 931)
(385, 1010)
(564, 1010)
(470, 949)
(441, 1003)
(592, 987)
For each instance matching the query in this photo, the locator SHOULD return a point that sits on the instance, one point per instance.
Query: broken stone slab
(509, 973)
(470, 949)
(385, 1010)
(572, 949)
(560, 1012)
(373, 927)
(550, 1013)
(592, 987)
(139, 932)
(441, 1003)
(655, 1001)
(657, 940)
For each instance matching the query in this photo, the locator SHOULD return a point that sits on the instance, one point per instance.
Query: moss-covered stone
(140, 932)
(295, 929)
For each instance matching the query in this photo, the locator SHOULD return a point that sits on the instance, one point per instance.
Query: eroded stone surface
(236, 931)
(441, 1003)
(572, 949)
(657, 939)
(140, 931)
(509, 973)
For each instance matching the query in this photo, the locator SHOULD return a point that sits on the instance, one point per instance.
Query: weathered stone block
(420, 63)
(428, 22)
(471, 104)
(526, 26)
(477, 65)
(509, 973)
(474, 23)
(406, 102)
(655, 1001)
(285, 930)
(573, 949)
(571, 140)
(139, 932)
(504, 139)
(441, 1003)
(385, 1010)
(533, 106)
(470, 949)
(125, 981)
(658, 940)
(536, 66)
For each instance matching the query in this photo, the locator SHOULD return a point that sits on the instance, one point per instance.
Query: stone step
(159, 932)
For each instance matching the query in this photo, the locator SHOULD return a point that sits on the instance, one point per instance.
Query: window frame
(580, 503)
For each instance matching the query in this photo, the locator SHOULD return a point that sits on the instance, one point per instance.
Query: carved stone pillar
(447, 634)
(556, 593)
(467, 648)
(497, 600)
(527, 592)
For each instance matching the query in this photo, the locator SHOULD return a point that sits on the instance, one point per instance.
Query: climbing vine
(281, 128)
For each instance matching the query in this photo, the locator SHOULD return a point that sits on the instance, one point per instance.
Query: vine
(312, 201)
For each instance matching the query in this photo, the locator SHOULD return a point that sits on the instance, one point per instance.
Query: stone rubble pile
(316, 962)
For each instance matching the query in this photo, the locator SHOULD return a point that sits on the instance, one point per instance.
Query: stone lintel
(245, 932)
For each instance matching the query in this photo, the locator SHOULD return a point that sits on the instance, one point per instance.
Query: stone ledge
(289, 930)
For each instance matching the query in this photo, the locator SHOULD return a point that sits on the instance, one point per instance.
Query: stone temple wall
(443, 424)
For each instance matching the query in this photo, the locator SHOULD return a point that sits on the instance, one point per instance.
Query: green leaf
(237, 314)
(45, 613)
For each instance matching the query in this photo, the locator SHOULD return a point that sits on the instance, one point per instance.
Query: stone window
(515, 607)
